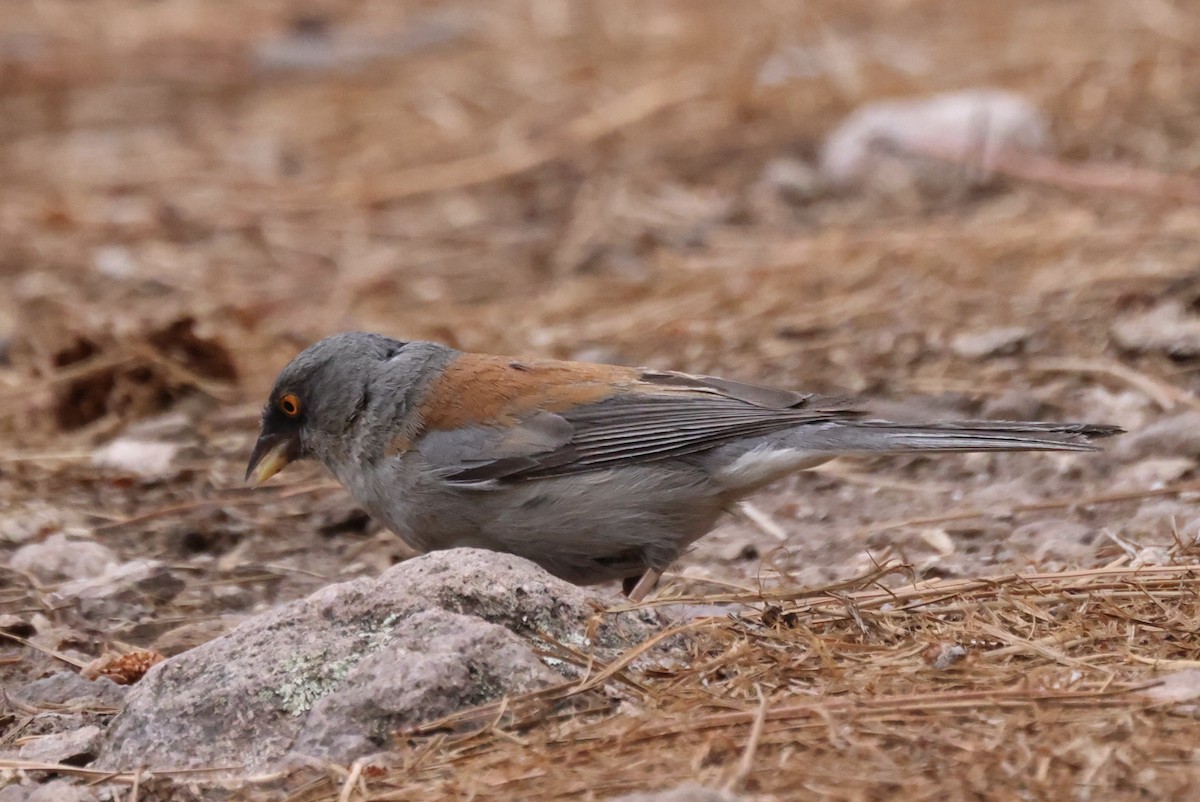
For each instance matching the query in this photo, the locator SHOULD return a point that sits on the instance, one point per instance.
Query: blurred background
(951, 208)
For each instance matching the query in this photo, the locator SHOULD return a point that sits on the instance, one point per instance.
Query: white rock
(1180, 686)
(148, 459)
(114, 261)
(1166, 328)
(58, 557)
(976, 126)
(989, 342)
(25, 523)
(939, 540)
(53, 791)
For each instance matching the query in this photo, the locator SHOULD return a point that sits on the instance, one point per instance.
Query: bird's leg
(643, 586)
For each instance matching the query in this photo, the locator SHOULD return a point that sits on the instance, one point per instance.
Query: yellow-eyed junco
(595, 472)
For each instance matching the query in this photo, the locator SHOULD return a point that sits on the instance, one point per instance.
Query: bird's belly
(587, 527)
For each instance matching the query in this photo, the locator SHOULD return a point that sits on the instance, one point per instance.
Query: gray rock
(77, 747)
(437, 663)
(24, 523)
(53, 791)
(67, 687)
(684, 793)
(329, 676)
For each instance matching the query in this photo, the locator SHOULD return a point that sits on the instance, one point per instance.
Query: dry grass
(1012, 687)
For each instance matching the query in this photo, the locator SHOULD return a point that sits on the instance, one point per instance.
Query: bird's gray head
(316, 401)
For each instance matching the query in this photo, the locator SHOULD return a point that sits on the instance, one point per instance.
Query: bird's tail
(755, 464)
(878, 436)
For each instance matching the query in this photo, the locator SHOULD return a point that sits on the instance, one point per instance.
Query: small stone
(114, 262)
(939, 540)
(889, 144)
(1168, 328)
(15, 625)
(146, 459)
(990, 342)
(74, 747)
(1177, 687)
(67, 687)
(738, 550)
(941, 656)
(59, 557)
(26, 523)
(53, 791)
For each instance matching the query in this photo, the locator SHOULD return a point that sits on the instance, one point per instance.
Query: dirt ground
(192, 191)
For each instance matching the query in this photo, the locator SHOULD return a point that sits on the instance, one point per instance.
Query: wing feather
(663, 416)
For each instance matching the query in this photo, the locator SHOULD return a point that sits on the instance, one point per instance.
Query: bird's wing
(555, 418)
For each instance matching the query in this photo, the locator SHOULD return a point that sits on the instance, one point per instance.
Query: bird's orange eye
(289, 405)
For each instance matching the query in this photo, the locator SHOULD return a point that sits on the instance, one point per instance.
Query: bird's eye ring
(289, 405)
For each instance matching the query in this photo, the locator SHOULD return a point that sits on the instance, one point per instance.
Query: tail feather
(749, 465)
(886, 436)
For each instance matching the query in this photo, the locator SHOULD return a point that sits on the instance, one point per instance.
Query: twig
(763, 521)
(45, 456)
(629, 656)
(71, 661)
(125, 778)
(1001, 634)
(352, 778)
(746, 764)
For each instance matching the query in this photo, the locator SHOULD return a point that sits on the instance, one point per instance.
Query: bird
(595, 472)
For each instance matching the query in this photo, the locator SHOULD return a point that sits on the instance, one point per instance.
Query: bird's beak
(271, 454)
